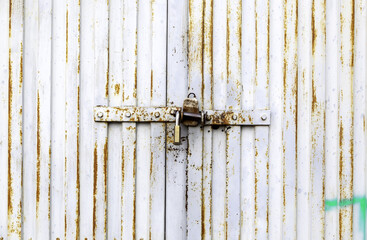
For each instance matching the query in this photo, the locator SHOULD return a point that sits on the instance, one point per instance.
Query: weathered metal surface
(167, 114)
(65, 176)
(135, 114)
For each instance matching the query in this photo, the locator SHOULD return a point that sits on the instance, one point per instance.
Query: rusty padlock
(191, 116)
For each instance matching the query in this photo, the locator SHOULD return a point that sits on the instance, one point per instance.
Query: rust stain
(95, 168)
(341, 42)
(66, 223)
(78, 62)
(117, 89)
(77, 167)
(38, 183)
(152, 7)
(10, 96)
(136, 82)
(134, 204)
(21, 76)
(10, 8)
(151, 163)
(105, 161)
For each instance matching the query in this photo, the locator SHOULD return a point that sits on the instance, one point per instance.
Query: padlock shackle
(188, 96)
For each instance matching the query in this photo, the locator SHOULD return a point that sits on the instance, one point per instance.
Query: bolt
(264, 117)
(157, 114)
(100, 114)
(234, 117)
(128, 114)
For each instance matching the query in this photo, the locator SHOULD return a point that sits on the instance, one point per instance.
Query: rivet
(157, 114)
(264, 117)
(100, 114)
(234, 117)
(128, 114)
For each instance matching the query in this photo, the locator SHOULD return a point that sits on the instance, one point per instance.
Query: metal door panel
(65, 176)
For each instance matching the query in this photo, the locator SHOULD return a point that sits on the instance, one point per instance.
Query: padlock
(191, 115)
(177, 133)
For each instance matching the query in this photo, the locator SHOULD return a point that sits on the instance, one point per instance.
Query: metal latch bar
(168, 114)
(135, 114)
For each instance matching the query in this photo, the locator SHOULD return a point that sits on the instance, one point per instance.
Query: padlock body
(177, 135)
(190, 105)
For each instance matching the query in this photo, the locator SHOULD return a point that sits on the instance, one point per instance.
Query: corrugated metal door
(65, 176)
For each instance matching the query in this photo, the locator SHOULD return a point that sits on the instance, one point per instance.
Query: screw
(264, 117)
(157, 114)
(234, 117)
(100, 114)
(128, 114)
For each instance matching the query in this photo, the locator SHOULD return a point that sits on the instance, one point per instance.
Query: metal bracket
(167, 114)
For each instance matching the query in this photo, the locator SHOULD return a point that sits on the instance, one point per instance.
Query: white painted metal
(195, 135)
(331, 118)
(248, 134)
(359, 109)
(276, 89)
(303, 124)
(4, 115)
(176, 155)
(86, 154)
(206, 218)
(114, 165)
(15, 106)
(129, 73)
(65, 176)
(289, 120)
(219, 136)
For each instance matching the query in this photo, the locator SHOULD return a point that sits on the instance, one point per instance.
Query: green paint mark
(331, 204)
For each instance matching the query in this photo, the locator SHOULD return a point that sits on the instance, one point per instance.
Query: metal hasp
(168, 114)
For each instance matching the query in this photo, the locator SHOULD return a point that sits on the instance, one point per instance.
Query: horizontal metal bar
(167, 114)
(135, 114)
(237, 118)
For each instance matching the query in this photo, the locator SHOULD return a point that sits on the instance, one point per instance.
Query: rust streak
(38, 183)
(77, 166)
(10, 96)
(105, 161)
(134, 204)
(10, 8)
(95, 169)
(117, 89)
